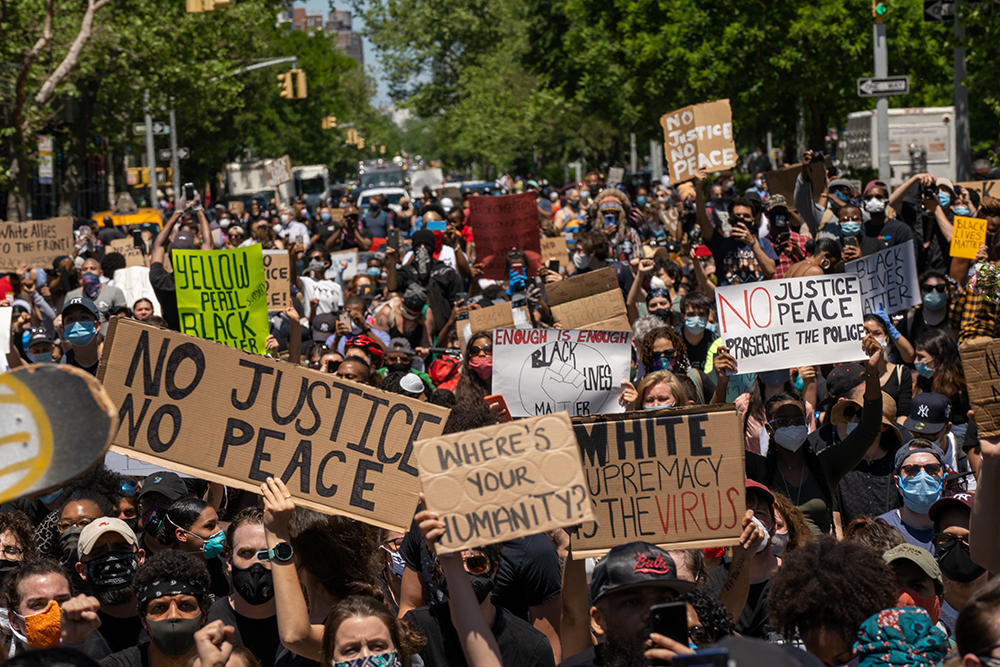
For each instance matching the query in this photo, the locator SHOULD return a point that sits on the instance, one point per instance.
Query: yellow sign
(969, 234)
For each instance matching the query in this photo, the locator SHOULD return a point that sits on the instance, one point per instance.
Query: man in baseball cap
(626, 583)
(918, 578)
(930, 419)
(920, 471)
(81, 322)
(109, 556)
(159, 491)
(962, 577)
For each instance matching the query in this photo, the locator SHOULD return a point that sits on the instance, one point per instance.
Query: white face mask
(767, 535)
(791, 437)
(224, 223)
(657, 283)
(284, 218)
(884, 343)
(581, 261)
(277, 228)
(875, 205)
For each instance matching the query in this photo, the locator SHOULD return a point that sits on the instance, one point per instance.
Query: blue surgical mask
(850, 229)
(50, 498)
(961, 210)
(710, 326)
(799, 383)
(923, 370)
(920, 491)
(325, 217)
(214, 544)
(695, 324)
(934, 300)
(841, 196)
(81, 333)
(943, 199)
(374, 272)
(641, 200)
(41, 358)
(657, 407)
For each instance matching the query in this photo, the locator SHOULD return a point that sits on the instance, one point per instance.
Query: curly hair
(406, 638)
(873, 533)
(831, 585)
(713, 614)
(38, 566)
(340, 552)
(172, 564)
(795, 521)
(19, 525)
(471, 388)
(646, 348)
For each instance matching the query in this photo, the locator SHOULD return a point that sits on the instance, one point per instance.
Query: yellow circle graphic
(25, 438)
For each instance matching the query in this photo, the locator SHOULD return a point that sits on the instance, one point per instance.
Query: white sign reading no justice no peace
(776, 324)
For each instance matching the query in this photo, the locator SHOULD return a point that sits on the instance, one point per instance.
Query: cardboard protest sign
(134, 283)
(698, 136)
(500, 482)
(981, 361)
(777, 324)
(500, 316)
(615, 175)
(126, 247)
(984, 188)
(276, 274)
(592, 301)
(236, 207)
(501, 223)
(782, 181)
(555, 248)
(543, 371)
(888, 277)
(278, 171)
(673, 477)
(35, 243)
(220, 414)
(222, 296)
(55, 422)
(969, 234)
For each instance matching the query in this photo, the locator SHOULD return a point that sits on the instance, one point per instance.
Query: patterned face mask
(387, 659)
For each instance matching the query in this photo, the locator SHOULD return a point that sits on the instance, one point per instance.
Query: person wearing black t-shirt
(161, 280)
(250, 609)
(109, 556)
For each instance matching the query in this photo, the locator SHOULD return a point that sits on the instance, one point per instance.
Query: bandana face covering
(387, 659)
(42, 629)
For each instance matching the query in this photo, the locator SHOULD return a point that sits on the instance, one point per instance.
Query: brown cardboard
(590, 301)
(126, 247)
(697, 136)
(236, 207)
(782, 181)
(218, 413)
(555, 248)
(56, 422)
(500, 316)
(278, 171)
(336, 214)
(673, 477)
(276, 274)
(502, 223)
(968, 235)
(500, 482)
(984, 188)
(981, 361)
(35, 243)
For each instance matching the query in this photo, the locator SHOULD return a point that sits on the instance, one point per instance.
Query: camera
(689, 207)
(928, 191)
(817, 156)
(780, 221)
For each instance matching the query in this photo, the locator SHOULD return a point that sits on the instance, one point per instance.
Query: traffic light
(880, 8)
(285, 85)
(300, 83)
(329, 122)
(381, 149)
(361, 143)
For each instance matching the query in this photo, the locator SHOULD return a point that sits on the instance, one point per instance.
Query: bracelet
(62, 643)
(871, 375)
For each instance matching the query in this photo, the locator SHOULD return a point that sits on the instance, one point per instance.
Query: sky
(371, 62)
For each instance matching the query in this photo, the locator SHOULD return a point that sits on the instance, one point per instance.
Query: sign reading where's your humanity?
(671, 477)
(778, 324)
(222, 296)
(218, 413)
(500, 482)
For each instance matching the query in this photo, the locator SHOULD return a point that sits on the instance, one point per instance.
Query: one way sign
(891, 85)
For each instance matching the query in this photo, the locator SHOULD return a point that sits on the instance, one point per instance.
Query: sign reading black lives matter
(889, 278)
(542, 371)
(218, 413)
(673, 477)
(777, 324)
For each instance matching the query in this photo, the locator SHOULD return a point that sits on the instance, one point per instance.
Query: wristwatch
(281, 552)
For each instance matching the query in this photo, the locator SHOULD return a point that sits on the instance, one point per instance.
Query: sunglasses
(476, 564)
(783, 422)
(669, 354)
(852, 412)
(944, 541)
(476, 349)
(701, 635)
(851, 219)
(913, 469)
(927, 289)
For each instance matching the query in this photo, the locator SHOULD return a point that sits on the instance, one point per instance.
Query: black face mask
(173, 636)
(69, 541)
(482, 585)
(112, 571)
(662, 313)
(956, 563)
(6, 568)
(398, 368)
(254, 583)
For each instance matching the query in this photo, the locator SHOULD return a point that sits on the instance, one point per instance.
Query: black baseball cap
(843, 378)
(635, 565)
(323, 327)
(909, 449)
(929, 413)
(82, 302)
(167, 483)
(39, 335)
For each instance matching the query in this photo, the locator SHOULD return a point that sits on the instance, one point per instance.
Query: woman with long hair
(659, 389)
(476, 382)
(361, 628)
(896, 379)
(939, 369)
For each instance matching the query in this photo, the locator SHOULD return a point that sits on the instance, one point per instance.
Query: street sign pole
(963, 149)
(175, 161)
(154, 202)
(882, 103)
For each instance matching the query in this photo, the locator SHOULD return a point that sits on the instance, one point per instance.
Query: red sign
(502, 223)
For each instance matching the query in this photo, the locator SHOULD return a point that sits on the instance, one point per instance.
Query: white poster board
(888, 277)
(429, 178)
(349, 256)
(543, 371)
(134, 284)
(777, 324)
(6, 316)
